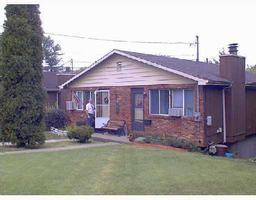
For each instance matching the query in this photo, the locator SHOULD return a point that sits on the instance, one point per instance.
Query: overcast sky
(217, 23)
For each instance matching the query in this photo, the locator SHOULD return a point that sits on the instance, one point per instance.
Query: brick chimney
(232, 68)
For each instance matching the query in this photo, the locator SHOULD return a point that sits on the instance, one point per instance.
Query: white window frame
(159, 101)
(170, 100)
(83, 91)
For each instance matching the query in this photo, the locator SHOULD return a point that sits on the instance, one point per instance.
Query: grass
(124, 169)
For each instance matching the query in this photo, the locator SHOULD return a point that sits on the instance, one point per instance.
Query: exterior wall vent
(118, 66)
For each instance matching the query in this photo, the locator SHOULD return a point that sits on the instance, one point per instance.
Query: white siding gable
(131, 73)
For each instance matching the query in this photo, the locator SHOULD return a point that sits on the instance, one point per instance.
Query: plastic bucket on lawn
(221, 149)
(229, 155)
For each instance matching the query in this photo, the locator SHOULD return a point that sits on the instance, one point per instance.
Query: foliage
(56, 118)
(81, 123)
(22, 97)
(80, 133)
(171, 141)
(52, 52)
(251, 68)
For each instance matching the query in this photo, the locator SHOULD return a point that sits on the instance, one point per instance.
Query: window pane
(189, 102)
(164, 101)
(78, 98)
(177, 98)
(93, 97)
(154, 101)
(86, 97)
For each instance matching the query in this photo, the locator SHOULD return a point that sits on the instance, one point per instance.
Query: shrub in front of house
(81, 123)
(80, 133)
(56, 118)
(171, 141)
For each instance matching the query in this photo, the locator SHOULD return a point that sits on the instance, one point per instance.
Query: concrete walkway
(46, 141)
(57, 140)
(110, 138)
(82, 146)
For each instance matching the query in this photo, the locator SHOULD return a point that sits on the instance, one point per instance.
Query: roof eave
(219, 83)
(252, 84)
(52, 89)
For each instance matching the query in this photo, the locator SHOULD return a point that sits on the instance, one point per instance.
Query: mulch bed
(158, 146)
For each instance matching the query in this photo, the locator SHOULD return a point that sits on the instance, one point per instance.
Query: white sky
(217, 23)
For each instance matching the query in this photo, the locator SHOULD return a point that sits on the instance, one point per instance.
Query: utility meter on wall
(209, 120)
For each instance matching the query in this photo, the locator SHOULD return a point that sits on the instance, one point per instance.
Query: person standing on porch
(90, 110)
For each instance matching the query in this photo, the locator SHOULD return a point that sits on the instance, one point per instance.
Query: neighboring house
(51, 83)
(161, 95)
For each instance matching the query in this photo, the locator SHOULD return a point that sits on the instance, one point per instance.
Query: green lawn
(124, 169)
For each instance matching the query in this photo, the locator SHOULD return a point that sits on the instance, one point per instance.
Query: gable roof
(52, 80)
(203, 73)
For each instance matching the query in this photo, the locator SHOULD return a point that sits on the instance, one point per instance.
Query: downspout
(224, 116)
(57, 97)
(197, 99)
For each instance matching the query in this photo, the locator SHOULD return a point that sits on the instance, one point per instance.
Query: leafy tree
(251, 68)
(52, 52)
(22, 98)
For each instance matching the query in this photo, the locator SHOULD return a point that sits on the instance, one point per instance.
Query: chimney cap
(233, 48)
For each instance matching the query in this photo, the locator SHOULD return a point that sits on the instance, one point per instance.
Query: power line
(119, 41)
(128, 41)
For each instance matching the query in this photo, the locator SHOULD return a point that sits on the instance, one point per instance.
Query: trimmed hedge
(172, 141)
(80, 133)
(56, 118)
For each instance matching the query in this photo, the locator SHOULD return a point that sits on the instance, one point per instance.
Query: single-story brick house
(51, 82)
(163, 95)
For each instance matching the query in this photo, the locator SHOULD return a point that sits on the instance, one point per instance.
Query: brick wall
(185, 127)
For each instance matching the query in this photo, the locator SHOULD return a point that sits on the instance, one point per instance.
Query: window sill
(155, 116)
(79, 110)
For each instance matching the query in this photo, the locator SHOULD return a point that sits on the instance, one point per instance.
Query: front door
(137, 109)
(102, 108)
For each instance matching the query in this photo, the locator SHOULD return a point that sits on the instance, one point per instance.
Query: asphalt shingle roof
(52, 80)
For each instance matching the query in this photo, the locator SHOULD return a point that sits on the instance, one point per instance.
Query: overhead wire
(118, 40)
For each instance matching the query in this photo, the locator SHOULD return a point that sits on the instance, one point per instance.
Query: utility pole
(197, 48)
(72, 64)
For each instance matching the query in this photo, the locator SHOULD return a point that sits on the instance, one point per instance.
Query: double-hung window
(159, 101)
(162, 100)
(189, 103)
(81, 98)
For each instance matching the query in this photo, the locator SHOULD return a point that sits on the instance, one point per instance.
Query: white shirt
(90, 108)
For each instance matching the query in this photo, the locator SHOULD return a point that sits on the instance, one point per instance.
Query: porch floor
(105, 137)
